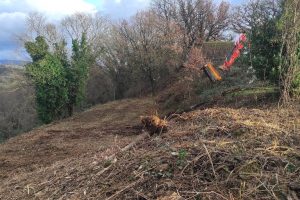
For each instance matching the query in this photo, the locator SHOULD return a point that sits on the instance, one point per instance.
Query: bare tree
(94, 26)
(144, 41)
(218, 21)
(165, 9)
(115, 61)
(254, 13)
(140, 48)
(199, 20)
(37, 25)
(71, 27)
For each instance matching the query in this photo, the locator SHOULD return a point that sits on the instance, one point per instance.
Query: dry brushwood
(154, 124)
(195, 59)
(217, 153)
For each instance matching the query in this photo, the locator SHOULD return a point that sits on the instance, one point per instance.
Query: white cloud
(11, 20)
(13, 14)
(11, 24)
(51, 8)
(58, 8)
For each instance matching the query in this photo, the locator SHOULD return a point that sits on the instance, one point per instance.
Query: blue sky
(13, 14)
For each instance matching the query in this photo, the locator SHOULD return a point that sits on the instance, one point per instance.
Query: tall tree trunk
(289, 52)
(70, 110)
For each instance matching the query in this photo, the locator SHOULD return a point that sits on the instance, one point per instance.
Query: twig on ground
(210, 160)
(193, 161)
(125, 188)
(209, 193)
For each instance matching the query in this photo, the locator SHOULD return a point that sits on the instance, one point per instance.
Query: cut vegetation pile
(215, 153)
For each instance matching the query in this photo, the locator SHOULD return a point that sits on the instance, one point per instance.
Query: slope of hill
(17, 102)
(214, 153)
(11, 78)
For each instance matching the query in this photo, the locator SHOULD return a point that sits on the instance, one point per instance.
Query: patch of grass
(257, 91)
(182, 156)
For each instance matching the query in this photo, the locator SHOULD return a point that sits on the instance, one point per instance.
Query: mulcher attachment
(212, 73)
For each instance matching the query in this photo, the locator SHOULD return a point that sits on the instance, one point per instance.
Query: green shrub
(59, 82)
(48, 75)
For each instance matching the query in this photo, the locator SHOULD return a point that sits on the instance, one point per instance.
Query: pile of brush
(153, 124)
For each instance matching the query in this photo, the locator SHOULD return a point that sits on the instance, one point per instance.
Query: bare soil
(103, 128)
(213, 153)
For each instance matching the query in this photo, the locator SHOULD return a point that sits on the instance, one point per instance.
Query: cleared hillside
(214, 153)
(94, 130)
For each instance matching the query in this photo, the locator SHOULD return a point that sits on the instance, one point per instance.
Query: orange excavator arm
(212, 73)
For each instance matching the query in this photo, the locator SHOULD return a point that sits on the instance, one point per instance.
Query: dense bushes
(259, 19)
(274, 36)
(265, 50)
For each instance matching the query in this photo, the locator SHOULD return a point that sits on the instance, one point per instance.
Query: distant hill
(17, 102)
(11, 77)
(11, 66)
(13, 62)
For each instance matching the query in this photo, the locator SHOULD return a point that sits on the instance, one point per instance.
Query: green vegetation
(296, 85)
(182, 157)
(289, 55)
(48, 75)
(274, 37)
(59, 83)
(265, 50)
(264, 38)
(77, 73)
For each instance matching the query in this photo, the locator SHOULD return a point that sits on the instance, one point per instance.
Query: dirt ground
(213, 153)
(103, 128)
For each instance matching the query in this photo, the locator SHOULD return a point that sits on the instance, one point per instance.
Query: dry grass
(216, 153)
(103, 128)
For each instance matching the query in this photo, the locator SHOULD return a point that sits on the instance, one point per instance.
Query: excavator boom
(212, 73)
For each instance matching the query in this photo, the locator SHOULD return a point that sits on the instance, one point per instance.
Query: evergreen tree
(48, 75)
(265, 50)
(77, 73)
(60, 83)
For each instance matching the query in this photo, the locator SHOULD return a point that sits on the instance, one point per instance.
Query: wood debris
(154, 124)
